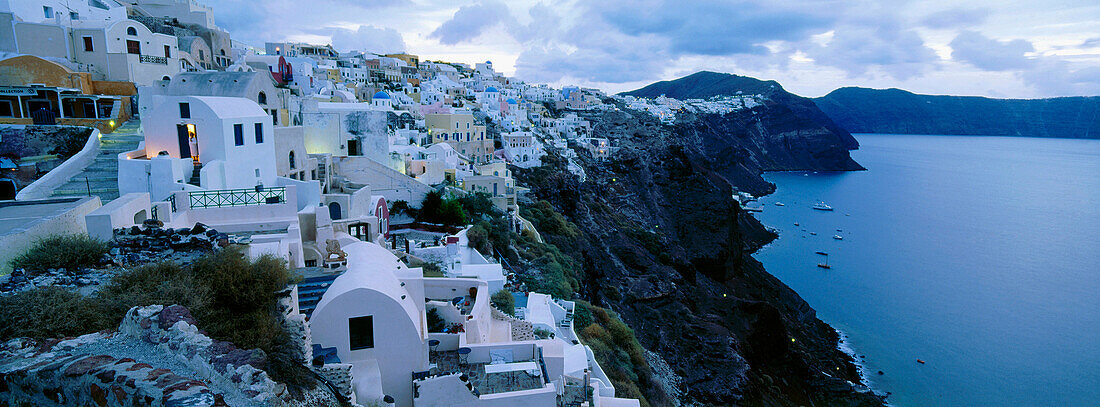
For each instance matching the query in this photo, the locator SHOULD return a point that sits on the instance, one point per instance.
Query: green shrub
(504, 301)
(478, 236)
(48, 312)
(432, 270)
(70, 252)
(435, 322)
(400, 206)
(542, 333)
(435, 209)
(232, 298)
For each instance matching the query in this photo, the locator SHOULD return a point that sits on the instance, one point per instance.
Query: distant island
(896, 111)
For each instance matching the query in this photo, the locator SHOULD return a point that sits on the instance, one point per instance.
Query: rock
(134, 230)
(198, 228)
(152, 223)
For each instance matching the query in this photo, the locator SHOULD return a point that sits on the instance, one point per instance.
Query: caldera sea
(978, 255)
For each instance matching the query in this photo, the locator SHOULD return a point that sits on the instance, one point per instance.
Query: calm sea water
(978, 255)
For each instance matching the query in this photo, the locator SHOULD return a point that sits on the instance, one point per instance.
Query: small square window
(74, 15)
(361, 332)
(185, 110)
(48, 11)
(87, 44)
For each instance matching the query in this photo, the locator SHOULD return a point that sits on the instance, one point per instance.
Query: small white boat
(838, 237)
(821, 206)
(778, 204)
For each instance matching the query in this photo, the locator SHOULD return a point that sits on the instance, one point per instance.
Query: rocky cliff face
(896, 111)
(663, 243)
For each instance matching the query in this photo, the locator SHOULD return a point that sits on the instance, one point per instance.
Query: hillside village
(340, 164)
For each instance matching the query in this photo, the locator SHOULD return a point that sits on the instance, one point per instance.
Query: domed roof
(491, 89)
(511, 101)
(381, 95)
(489, 62)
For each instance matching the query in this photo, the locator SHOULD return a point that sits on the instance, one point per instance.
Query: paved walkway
(101, 177)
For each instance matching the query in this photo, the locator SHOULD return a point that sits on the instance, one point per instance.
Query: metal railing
(172, 200)
(237, 197)
(152, 59)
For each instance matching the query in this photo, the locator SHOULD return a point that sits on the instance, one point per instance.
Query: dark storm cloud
(990, 54)
(719, 28)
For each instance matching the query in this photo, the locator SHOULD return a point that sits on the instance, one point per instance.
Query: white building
(522, 149)
(207, 142)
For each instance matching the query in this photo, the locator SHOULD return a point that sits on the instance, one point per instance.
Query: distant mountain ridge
(896, 111)
(706, 84)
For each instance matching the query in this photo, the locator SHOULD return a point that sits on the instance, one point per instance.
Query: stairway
(101, 177)
(195, 175)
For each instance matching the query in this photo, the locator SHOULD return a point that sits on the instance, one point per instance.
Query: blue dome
(491, 89)
(381, 95)
(511, 101)
(489, 62)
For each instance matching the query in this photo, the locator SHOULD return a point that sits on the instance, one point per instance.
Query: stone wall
(172, 363)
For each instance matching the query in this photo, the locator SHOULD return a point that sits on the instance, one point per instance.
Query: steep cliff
(790, 107)
(661, 242)
(863, 110)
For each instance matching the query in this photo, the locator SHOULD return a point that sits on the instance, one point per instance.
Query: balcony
(153, 59)
(237, 197)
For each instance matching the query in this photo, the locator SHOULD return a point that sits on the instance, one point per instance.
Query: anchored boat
(821, 206)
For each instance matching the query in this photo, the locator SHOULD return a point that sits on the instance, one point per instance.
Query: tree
(504, 301)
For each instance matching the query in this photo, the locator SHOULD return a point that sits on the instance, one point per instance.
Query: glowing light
(792, 340)
(111, 123)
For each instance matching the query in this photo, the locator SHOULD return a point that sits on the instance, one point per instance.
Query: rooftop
(18, 216)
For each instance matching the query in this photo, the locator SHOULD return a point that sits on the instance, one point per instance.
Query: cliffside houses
(298, 150)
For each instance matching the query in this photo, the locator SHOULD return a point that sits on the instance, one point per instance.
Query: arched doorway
(140, 217)
(334, 211)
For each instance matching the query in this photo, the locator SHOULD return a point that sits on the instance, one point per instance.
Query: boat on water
(778, 204)
(824, 265)
(796, 224)
(823, 253)
(821, 206)
(838, 237)
(813, 233)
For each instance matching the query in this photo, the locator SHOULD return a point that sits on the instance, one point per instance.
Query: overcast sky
(999, 48)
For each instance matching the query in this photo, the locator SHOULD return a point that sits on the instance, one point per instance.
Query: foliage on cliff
(233, 299)
(69, 252)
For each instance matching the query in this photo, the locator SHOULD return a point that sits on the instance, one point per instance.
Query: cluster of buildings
(666, 109)
(299, 150)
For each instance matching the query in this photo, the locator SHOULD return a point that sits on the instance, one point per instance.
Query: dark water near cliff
(979, 255)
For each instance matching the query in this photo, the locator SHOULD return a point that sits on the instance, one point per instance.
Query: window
(201, 56)
(185, 110)
(262, 98)
(87, 43)
(131, 31)
(167, 51)
(74, 15)
(133, 47)
(259, 133)
(48, 11)
(223, 52)
(361, 332)
(292, 166)
(238, 134)
(5, 109)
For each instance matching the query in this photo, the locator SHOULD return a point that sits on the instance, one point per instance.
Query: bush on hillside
(504, 301)
(232, 298)
(70, 252)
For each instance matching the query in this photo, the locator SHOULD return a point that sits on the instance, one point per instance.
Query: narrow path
(101, 177)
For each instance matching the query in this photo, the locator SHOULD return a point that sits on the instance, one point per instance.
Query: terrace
(500, 374)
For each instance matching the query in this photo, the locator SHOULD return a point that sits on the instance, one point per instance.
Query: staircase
(195, 175)
(101, 177)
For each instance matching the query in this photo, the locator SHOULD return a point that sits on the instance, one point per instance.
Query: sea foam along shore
(844, 345)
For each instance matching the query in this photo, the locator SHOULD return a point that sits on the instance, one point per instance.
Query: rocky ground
(664, 244)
